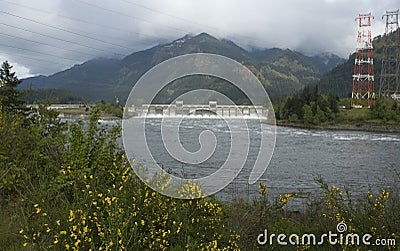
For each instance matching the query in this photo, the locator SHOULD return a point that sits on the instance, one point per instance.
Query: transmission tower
(389, 78)
(363, 76)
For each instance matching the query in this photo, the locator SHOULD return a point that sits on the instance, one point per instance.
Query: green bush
(95, 202)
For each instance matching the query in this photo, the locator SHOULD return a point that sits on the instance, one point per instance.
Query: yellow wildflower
(108, 200)
(77, 242)
(263, 188)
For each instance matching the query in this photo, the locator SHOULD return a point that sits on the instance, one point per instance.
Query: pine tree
(308, 115)
(10, 98)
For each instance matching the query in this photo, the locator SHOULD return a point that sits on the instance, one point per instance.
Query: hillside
(281, 71)
(339, 80)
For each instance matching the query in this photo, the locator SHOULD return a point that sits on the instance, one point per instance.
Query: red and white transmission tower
(363, 76)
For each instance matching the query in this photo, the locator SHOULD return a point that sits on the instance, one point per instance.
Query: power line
(37, 42)
(78, 19)
(100, 25)
(126, 15)
(87, 22)
(187, 20)
(163, 13)
(39, 52)
(59, 39)
(37, 59)
(167, 14)
(62, 29)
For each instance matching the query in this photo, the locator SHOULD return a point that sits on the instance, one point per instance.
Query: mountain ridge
(281, 70)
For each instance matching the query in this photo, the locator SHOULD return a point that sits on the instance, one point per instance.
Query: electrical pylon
(363, 76)
(389, 78)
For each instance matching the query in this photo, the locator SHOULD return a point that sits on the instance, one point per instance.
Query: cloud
(46, 36)
(20, 69)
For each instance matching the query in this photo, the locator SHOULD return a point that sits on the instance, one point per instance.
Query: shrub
(97, 203)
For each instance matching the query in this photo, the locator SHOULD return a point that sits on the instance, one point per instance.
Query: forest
(312, 107)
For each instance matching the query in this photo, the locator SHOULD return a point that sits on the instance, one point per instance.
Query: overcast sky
(46, 36)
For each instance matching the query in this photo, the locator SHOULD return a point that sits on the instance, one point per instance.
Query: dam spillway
(210, 110)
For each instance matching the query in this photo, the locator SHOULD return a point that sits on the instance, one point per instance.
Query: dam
(212, 109)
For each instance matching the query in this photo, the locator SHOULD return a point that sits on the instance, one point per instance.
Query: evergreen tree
(10, 98)
(319, 116)
(308, 115)
(333, 103)
(319, 107)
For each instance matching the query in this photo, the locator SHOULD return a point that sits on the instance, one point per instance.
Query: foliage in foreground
(376, 213)
(92, 200)
(69, 187)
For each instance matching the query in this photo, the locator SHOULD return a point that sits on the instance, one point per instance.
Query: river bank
(388, 128)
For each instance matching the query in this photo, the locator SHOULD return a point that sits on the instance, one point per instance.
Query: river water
(357, 160)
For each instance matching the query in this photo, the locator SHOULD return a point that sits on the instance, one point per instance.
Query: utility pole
(363, 76)
(389, 78)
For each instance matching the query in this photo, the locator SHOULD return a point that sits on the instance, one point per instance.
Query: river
(357, 160)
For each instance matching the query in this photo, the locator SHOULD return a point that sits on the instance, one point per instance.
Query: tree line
(308, 106)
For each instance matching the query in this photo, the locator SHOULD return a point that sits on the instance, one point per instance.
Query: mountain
(339, 80)
(281, 71)
(89, 79)
(328, 60)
